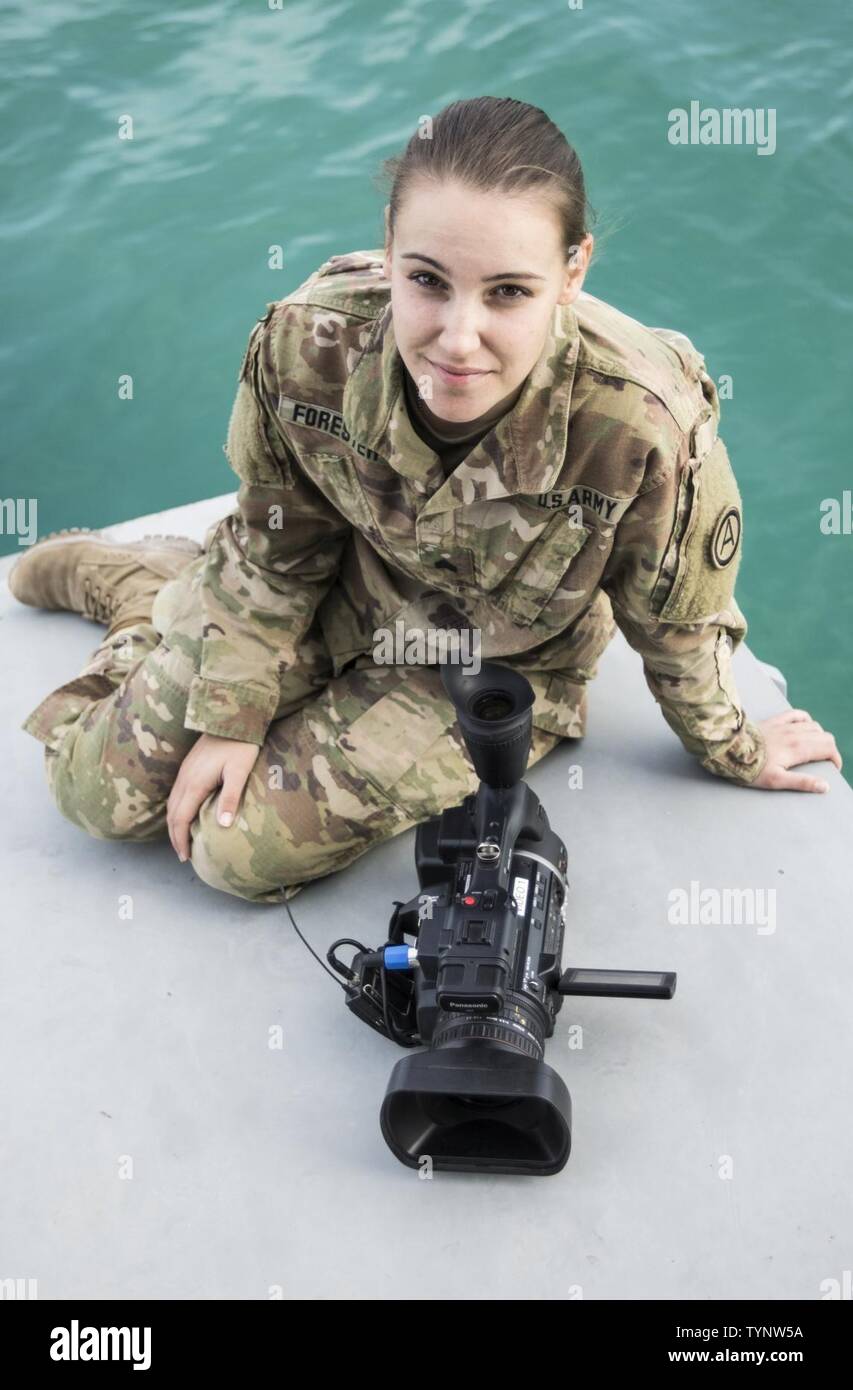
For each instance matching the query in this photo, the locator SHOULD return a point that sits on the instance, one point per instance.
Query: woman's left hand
(793, 737)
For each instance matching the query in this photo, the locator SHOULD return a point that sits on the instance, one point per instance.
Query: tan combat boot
(111, 582)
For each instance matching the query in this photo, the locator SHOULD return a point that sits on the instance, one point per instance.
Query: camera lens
(520, 1026)
(492, 704)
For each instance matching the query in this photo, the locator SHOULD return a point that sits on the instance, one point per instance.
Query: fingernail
(183, 858)
(226, 818)
(823, 786)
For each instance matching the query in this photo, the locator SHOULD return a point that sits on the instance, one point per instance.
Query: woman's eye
(421, 275)
(519, 288)
(517, 291)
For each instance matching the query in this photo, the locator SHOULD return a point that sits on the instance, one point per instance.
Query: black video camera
(482, 986)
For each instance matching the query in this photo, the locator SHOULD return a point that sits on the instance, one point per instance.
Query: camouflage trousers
(349, 760)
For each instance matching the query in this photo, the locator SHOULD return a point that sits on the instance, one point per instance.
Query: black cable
(393, 1032)
(329, 972)
(338, 965)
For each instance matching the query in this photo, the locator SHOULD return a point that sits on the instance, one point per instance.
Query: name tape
(319, 417)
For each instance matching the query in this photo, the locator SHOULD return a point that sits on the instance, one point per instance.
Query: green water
(255, 127)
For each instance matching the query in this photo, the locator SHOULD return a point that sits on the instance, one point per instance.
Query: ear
(576, 268)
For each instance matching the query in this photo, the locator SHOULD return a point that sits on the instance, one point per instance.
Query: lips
(456, 374)
(461, 371)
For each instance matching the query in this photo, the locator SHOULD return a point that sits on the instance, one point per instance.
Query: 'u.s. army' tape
(608, 509)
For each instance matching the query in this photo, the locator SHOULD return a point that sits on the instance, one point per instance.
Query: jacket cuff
(241, 712)
(742, 758)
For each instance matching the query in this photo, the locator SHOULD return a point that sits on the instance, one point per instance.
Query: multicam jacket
(605, 486)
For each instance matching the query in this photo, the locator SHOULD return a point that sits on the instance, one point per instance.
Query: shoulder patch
(710, 547)
(726, 538)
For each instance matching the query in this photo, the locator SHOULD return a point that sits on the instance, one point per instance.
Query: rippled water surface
(255, 126)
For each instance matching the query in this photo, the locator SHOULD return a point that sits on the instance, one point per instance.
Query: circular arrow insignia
(726, 538)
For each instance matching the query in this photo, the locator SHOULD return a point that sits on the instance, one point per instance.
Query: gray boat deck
(257, 1169)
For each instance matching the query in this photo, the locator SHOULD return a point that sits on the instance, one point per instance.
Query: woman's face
(474, 281)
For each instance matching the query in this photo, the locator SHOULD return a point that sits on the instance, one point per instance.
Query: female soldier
(448, 437)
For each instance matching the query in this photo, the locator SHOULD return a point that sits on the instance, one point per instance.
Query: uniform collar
(523, 453)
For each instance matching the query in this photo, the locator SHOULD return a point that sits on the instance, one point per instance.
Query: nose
(459, 338)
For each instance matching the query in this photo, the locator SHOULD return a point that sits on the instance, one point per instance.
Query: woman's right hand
(210, 761)
(792, 738)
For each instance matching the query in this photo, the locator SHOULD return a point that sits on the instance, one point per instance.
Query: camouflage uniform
(603, 494)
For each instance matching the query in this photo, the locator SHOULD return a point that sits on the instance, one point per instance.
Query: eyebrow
(504, 275)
